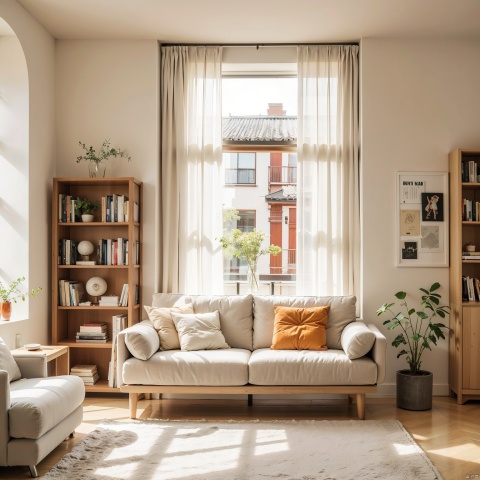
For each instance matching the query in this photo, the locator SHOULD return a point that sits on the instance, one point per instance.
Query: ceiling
(257, 21)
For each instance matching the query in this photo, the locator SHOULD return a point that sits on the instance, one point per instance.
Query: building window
(246, 223)
(240, 168)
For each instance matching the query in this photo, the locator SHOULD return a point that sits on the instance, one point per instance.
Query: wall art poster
(411, 190)
(432, 240)
(409, 223)
(432, 207)
(409, 250)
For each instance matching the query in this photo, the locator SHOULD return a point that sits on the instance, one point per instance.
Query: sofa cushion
(203, 367)
(300, 328)
(161, 319)
(199, 331)
(39, 404)
(236, 320)
(309, 367)
(357, 340)
(8, 363)
(342, 312)
(142, 340)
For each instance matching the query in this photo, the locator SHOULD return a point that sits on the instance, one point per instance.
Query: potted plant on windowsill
(12, 293)
(97, 165)
(86, 208)
(419, 331)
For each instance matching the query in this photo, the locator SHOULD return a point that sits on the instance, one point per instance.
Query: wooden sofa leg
(133, 400)
(361, 406)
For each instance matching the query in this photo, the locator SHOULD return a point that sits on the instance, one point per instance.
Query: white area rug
(296, 450)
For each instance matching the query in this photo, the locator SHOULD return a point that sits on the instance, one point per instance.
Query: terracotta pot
(6, 310)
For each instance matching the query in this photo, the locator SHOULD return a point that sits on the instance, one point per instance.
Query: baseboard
(390, 390)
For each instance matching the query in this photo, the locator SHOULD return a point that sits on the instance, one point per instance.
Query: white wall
(39, 50)
(419, 100)
(109, 90)
(14, 167)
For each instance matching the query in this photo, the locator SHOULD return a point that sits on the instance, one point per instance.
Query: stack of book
(108, 301)
(470, 255)
(71, 293)
(88, 373)
(92, 333)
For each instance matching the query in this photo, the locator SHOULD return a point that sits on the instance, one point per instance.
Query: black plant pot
(414, 392)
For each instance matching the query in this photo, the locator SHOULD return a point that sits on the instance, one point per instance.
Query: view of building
(260, 165)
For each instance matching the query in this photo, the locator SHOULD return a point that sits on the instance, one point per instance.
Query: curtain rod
(257, 45)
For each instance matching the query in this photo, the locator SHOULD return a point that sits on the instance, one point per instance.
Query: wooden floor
(449, 433)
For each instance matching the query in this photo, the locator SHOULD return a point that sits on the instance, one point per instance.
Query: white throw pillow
(162, 321)
(357, 340)
(199, 331)
(142, 340)
(8, 363)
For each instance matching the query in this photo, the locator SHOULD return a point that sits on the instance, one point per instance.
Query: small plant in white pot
(419, 331)
(86, 208)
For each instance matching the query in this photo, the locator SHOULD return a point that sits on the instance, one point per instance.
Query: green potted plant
(12, 293)
(97, 165)
(248, 246)
(419, 331)
(86, 208)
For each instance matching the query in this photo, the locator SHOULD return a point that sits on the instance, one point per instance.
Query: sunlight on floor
(405, 449)
(459, 451)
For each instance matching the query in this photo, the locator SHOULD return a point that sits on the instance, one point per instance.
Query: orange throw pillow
(300, 328)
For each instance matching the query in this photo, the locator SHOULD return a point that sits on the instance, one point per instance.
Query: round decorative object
(96, 286)
(32, 346)
(85, 248)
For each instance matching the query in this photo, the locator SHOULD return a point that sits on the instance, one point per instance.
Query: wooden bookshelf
(464, 342)
(66, 320)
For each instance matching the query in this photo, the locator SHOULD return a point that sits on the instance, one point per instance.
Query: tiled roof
(261, 129)
(286, 194)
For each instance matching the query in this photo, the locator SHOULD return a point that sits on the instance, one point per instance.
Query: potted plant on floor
(12, 293)
(419, 331)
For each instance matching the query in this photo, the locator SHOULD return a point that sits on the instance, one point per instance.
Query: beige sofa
(354, 363)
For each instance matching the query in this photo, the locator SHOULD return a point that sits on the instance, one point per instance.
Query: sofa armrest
(379, 352)
(4, 406)
(31, 364)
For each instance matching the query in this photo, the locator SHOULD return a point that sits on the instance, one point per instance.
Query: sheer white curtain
(328, 235)
(191, 182)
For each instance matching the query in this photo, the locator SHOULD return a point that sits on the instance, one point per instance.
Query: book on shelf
(108, 301)
(91, 336)
(71, 293)
(470, 289)
(136, 211)
(91, 381)
(86, 262)
(124, 296)
(91, 369)
(84, 340)
(119, 323)
(93, 327)
(113, 208)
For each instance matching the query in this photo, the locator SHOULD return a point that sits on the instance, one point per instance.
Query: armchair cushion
(357, 340)
(39, 404)
(7, 362)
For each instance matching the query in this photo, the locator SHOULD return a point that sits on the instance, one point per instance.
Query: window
(259, 151)
(240, 168)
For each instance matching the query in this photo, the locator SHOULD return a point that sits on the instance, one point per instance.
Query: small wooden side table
(60, 355)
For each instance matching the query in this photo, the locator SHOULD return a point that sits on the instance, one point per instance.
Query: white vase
(87, 218)
(253, 279)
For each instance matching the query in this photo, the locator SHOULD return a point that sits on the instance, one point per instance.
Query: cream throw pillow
(199, 331)
(8, 363)
(163, 323)
(142, 340)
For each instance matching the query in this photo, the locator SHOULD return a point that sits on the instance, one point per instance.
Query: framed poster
(422, 219)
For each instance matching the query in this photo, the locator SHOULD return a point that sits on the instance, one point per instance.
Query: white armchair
(36, 412)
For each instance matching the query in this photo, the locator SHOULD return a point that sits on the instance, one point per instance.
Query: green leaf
(422, 315)
(411, 311)
(386, 322)
(416, 336)
(426, 292)
(434, 287)
(401, 295)
(434, 300)
(403, 352)
(399, 316)
(441, 313)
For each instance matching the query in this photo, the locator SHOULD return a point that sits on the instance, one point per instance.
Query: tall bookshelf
(66, 320)
(464, 342)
